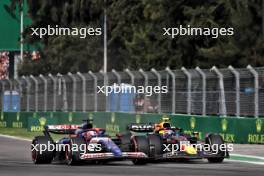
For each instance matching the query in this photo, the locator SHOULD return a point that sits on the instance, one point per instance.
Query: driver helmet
(90, 134)
(164, 124)
(87, 126)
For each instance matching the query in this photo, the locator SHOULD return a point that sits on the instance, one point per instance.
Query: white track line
(247, 156)
(14, 137)
(249, 162)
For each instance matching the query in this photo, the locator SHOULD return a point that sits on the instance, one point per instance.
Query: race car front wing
(108, 155)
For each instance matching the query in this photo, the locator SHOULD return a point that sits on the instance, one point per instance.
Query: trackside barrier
(237, 130)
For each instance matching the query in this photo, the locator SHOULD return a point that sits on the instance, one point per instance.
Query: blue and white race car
(84, 143)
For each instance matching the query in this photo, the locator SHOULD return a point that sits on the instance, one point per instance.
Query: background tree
(135, 37)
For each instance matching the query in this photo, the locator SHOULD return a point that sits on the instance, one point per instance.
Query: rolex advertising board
(39, 120)
(237, 130)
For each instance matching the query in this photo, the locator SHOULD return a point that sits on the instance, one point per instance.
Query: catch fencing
(223, 92)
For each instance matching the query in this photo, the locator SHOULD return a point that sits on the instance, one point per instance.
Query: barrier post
(256, 86)
(105, 85)
(11, 93)
(64, 98)
(203, 89)
(189, 96)
(73, 91)
(28, 91)
(145, 82)
(54, 92)
(119, 83)
(173, 89)
(130, 74)
(95, 90)
(237, 77)
(36, 92)
(45, 91)
(83, 91)
(222, 90)
(159, 84)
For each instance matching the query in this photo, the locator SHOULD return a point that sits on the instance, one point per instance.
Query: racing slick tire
(73, 157)
(125, 142)
(216, 139)
(41, 157)
(155, 145)
(140, 144)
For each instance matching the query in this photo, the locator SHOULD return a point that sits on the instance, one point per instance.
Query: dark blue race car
(85, 143)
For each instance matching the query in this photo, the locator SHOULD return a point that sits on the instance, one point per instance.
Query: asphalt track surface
(15, 160)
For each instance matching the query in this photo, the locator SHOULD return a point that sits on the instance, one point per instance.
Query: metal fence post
(95, 90)
(2, 93)
(19, 85)
(130, 74)
(119, 83)
(189, 96)
(256, 86)
(11, 93)
(28, 91)
(159, 84)
(73, 91)
(117, 76)
(237, 77)
(203, 89)
(222, 91)
(105, 85)
(145, 77)
(54, 92)
(83, 91)
(145, 82)
(20, 90)
(173, 89)
(65, 100)
(45, 91)
(36, 92)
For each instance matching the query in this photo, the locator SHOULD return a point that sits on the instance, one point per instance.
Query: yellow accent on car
(162, 132)
(190, 150)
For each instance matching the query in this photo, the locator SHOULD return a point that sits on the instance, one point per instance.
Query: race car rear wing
(141, 127)
(61, 129)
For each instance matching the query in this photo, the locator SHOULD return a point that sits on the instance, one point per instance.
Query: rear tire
(217, 140)
(140, 144)
(41, 157)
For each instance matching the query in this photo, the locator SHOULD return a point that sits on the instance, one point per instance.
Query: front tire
(217, 140)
